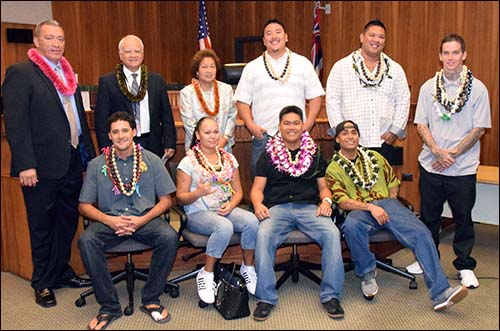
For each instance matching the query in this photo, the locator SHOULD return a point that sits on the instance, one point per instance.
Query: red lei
(64, 89)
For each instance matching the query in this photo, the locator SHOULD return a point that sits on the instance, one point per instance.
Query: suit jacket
(110, 99)
(36, 124)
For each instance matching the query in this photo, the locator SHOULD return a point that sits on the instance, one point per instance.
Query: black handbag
(231, 298)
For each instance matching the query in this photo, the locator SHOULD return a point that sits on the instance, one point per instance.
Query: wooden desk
(487, 175)
(16, 246)
(486, 207)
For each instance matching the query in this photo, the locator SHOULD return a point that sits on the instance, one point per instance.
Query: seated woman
(206, 96)
(209, 187)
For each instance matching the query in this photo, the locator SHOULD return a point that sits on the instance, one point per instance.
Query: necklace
(120, 77)
(456, 104)
(270, 70)
(223, 172)
(282, 158)
(370, 168)
(201, 98)
(64, 89)
(367, 79)
(110, 169)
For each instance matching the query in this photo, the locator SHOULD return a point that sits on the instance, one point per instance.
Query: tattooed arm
(377, 212)
(444, 157)
(470, 140)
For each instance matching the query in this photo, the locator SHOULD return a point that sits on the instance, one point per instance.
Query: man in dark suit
(132, 89)
(50, 144)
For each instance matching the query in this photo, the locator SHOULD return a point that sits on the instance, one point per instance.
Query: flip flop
(156, 314)
(104, 317)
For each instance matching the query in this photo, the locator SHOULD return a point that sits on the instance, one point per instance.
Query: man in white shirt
(370, 88)
(276, 79)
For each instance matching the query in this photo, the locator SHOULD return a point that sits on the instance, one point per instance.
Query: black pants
(460, 192)
(393, 155)
(52, 209)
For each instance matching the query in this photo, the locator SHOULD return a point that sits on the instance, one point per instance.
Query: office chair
(191, 239)
(295, 265)
(383, 236)
(129, 274)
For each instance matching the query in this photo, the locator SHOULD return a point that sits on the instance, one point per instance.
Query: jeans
(98, 238)
(460, 192)
(274, 231)
(221, 228)
(258, 146)
(407, 229)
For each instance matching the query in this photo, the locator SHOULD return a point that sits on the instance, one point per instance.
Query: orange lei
(203, 103)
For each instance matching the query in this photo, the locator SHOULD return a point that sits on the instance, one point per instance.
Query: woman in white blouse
(206, 96)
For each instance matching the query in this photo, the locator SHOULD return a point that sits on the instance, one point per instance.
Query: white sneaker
(415, 268)
(468, 278)
(449, 297)
(206, 286)
(250, 276)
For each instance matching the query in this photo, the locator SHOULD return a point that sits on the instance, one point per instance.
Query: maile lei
(456, 104)
(201, 98)
(65, 89)
(286, 71)
(365, 78)
(221, 174)
(110, 169)
(282, 158)
(120, 77)
(370, 168)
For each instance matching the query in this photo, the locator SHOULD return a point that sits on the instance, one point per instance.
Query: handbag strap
(232, 272)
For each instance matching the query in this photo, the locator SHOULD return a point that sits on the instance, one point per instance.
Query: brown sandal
(104, 317)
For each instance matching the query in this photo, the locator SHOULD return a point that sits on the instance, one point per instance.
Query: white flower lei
(454, 105)
(370, 167)
(282, 158)
(366, 79)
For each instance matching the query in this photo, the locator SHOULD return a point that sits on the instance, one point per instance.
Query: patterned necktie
(68, 108)
(134, 89)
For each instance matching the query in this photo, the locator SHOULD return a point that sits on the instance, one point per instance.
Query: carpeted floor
(395, 307)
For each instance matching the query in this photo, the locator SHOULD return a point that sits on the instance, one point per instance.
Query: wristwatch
(329, 200)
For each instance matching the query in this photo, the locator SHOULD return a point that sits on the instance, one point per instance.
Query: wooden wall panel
(13, 52)
(168, 29)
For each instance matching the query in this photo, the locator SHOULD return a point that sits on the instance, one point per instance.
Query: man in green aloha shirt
(363, 183)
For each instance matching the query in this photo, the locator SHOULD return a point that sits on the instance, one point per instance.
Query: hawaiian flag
(316, 53)
(203, 34)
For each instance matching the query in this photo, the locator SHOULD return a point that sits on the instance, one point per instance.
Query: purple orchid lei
(282, 158)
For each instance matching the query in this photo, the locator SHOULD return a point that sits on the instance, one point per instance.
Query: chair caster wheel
(413, 285)
(202, 304)
(128, 311)
(174, 292)
(80, 302)
(368, 298)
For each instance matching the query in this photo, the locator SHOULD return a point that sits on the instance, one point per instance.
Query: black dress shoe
(76, 282)
(45, 297)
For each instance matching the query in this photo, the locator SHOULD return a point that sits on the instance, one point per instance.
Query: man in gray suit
(50, 144)
(133, 89)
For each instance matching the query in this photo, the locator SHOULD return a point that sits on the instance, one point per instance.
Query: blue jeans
(407, 229)
(221, 228)
(258, 146)
(274, 231)
(98, 238)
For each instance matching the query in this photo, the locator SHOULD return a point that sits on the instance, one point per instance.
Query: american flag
(316, 53)
(203, 34)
